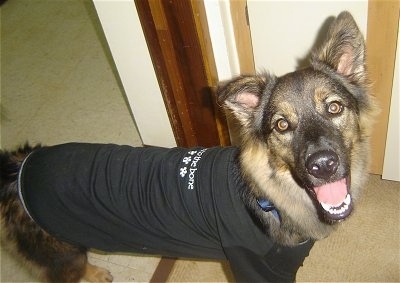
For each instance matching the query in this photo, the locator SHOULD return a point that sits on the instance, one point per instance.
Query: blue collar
(268, 206)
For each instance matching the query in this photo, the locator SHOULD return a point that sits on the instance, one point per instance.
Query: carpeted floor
(58, 85)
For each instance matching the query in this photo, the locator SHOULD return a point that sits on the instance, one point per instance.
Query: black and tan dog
(302, 163)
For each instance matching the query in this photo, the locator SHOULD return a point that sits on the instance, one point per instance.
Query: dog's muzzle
(333, 193)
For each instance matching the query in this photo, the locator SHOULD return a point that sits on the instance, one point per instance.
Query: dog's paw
(97, 274)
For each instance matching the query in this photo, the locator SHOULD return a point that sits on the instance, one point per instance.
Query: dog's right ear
(343, 50)
(244, 97)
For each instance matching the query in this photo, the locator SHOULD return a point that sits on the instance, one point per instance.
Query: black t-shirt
(176, 202)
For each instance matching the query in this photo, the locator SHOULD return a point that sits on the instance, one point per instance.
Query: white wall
(125, 38)
(284, 31)
(391, 165)
(222, 38)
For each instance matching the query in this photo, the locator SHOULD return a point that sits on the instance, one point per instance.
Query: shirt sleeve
(280, 264)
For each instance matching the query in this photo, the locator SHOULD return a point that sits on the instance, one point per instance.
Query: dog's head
(305, 134)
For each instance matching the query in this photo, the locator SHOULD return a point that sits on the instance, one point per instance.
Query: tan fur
(300, 208)
(10, 246)
(94, 273)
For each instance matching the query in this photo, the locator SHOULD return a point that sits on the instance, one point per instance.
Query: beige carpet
(58, 85)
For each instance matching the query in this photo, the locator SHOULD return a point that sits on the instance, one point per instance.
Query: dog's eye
(335, 107)
(281, 125)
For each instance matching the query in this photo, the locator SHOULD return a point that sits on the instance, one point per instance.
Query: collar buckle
(268, 206)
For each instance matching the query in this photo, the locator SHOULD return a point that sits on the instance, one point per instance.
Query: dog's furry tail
(11, 161)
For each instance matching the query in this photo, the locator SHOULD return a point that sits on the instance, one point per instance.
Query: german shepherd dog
(301, 164)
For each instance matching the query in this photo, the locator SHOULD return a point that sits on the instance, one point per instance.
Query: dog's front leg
(94, 273)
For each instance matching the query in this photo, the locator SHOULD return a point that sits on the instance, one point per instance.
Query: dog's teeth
(348, 199)
(340, 209)
(325, 206)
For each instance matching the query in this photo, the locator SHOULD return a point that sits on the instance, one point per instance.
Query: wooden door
(177, 37)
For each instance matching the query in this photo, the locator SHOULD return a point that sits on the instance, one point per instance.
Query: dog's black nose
(322, 164)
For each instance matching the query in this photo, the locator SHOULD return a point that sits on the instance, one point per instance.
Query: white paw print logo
(183, 171)
(186, 160)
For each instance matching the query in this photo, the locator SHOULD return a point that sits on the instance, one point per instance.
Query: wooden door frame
(177, 36)
(178, 39)
(382, 31)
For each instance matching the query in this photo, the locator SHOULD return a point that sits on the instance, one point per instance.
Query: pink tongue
(333, 193)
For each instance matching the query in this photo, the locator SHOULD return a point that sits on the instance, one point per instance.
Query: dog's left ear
(343, 50)
(244, 97)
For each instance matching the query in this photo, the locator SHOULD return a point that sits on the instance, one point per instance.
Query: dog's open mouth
(334, 199)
